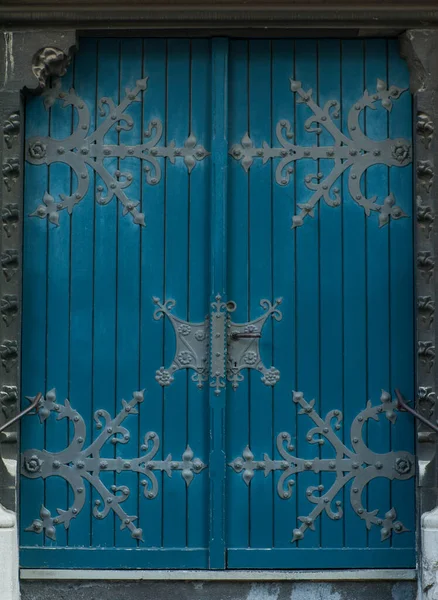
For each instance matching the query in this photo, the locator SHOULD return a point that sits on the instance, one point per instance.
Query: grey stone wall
(181, 590)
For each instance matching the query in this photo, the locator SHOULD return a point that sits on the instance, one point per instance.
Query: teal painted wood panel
(219, 224)
(338, 342)
(95, 276)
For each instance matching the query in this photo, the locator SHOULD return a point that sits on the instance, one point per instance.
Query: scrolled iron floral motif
(244, 352)
(358, 465)
(78, 464)
(191, 350)
(355, 152)
(84, 150)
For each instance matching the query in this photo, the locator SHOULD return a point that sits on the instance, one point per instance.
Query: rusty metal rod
(32, 405)
(402, 405)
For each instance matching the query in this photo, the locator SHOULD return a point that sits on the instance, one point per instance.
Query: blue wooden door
(217, 306)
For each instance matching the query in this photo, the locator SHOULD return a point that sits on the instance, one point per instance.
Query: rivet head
(80, 490)
(75, 511)
(360, 511)
(61, 150)
(80, 464)
(378, 465)
(103, 464)
(56, 464)
(355, 440)
(151, 495)
(332, 464)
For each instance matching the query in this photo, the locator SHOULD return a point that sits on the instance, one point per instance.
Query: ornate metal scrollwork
(77, 464)
(359, 465)
(219, 318)
(243, 346)
(357, 153)
(83, 149)
(191, 346)
(233, 346)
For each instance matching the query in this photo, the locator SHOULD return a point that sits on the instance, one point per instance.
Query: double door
(218, 278)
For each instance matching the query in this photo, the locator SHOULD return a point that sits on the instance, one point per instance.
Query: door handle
(235, 335)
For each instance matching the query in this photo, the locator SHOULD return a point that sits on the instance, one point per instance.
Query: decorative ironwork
(219, 317)
(191, 346)
(244, 348)
(358, 465)
(357, 153)
(83, 150)
(77, 464)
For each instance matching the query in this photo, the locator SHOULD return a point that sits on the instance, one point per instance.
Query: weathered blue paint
(347, 321)
(218, 283)
(346, 284)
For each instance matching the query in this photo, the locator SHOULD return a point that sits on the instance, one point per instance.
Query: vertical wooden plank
(152, 284)
(128, 281)
(307, 292)
(354, 286)
(177, 241)
(81, 286)
(283, 247)
(260, 286)
(237, 495)
(330, 290)
(401, 292)
(377, 260)
(105, 284)
(61, 181)
(218, 257)
(34, 299)
(199, 266)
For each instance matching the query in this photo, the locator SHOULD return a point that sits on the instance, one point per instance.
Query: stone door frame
(29, 57)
